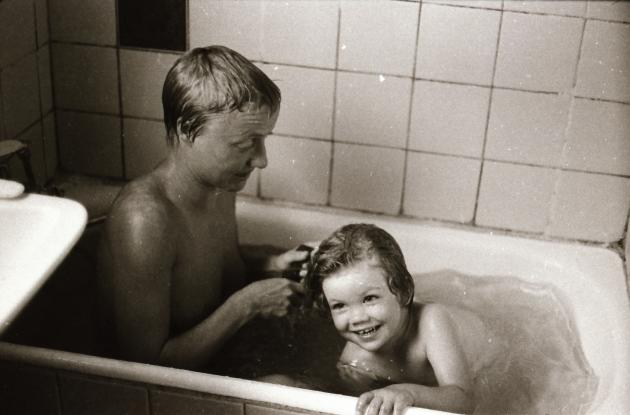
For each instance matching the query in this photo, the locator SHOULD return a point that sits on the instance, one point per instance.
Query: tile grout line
(331, 163)
(401, 209)
(473, 220)
(553, 205)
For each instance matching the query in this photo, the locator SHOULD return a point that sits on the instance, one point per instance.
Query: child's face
(363, 308)
(230, 146)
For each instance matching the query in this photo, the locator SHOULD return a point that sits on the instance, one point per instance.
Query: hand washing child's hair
(398, 353)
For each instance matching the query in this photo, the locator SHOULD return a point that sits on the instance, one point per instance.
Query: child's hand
(385, 401)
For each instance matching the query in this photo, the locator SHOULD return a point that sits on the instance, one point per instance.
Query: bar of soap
(10, 189)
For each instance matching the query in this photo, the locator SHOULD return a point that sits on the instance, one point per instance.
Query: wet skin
(173, 280)
(413, 349)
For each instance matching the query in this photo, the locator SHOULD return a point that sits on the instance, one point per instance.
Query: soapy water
(520, 341)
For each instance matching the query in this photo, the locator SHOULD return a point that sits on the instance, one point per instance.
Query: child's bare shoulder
(434, 317)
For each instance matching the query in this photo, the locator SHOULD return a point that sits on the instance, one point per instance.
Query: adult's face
(230, 146)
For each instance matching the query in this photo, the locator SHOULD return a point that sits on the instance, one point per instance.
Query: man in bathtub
(174, 283)
(399, 353)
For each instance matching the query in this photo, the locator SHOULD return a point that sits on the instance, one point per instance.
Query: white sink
(36, 233)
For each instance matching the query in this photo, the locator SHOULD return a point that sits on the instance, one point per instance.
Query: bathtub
(591, 277)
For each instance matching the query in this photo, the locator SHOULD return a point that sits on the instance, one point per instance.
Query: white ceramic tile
(89, 143)
(50, 144)
(17, 30)
(367, 178)
(145, 146)
(92, 22)
(142, 77)
(515, 197)
(598, 137)
(563, 7)
(441, 187)
(448, 118)
(298, 170)
(45, 80)
(609, 10)
(20, 95)
(300, 32)
(85, 78)
(604, 68)
(591, 207)
(372, 109)
(41, 17)
(527, 127)
(307, 100)
(378, 36)
(538, 52)
(482, 4)
(457, 44)
(237, 25)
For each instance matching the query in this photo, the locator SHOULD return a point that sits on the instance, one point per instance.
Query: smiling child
(398, 353)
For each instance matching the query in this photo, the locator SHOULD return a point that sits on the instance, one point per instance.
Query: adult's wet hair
(354, 243)
(211, 80)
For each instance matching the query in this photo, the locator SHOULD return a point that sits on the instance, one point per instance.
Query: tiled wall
(36, 390)
(500, 114)
(26, 98)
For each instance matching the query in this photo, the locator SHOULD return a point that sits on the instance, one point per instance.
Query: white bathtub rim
(249, 390)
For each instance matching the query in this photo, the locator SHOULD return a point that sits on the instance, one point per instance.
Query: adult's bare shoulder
(140, 218)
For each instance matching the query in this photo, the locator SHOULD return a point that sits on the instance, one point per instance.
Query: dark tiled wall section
(36, 390)
(153, 24)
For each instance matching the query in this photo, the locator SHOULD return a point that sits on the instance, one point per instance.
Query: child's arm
(446, 356)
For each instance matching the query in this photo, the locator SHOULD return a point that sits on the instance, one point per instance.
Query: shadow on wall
(62, 315)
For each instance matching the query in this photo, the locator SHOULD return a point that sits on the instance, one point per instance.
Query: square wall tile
(598, 137)
(367, 178)
(89, 143)
(300, 32)
(298, 170)
(609, 10)
(441, 187)
(448, 118)
(81, 395)
(168, 403)
(235, 24)
(515, 197)
(92, 22)
(378, 36)
(145, 146)
(142, 77)
(527, 127)
(17, 30)
(20, 95)
(85, 78)
(307, 100)
(45, 80)
(483, 4)
(559, 7)
(604, 69)
(26, 390)
(457, 44)
(591, 207)
(49, 137)
(538, 52)
(41, 20)
(372, 109)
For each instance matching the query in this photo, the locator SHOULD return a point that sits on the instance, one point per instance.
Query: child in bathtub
(398, 353)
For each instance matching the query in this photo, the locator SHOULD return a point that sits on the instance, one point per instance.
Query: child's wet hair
(212, 80)
(352, 244)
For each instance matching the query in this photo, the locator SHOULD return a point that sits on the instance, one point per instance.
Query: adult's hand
(271, 297)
